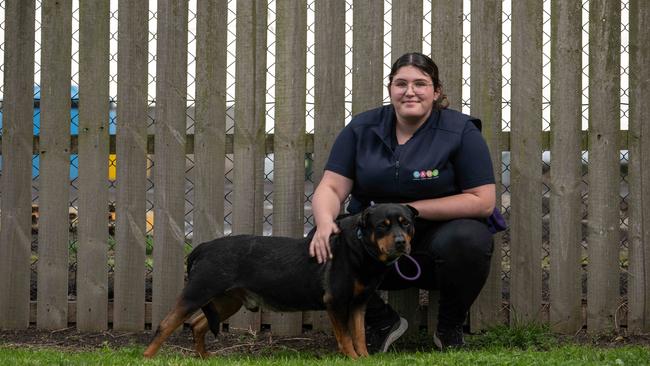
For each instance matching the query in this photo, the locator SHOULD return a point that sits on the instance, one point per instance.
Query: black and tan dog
(279, 274)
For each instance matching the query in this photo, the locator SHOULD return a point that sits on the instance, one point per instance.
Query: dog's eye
(404, 222)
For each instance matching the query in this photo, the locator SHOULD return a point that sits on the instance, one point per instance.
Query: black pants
(454, 257)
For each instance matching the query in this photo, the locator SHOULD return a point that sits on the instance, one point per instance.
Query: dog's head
(388, 229)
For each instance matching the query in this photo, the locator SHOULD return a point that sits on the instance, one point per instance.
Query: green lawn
(561, 355)
(526, 345)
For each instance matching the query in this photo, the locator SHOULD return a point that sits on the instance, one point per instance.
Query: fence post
(54, 180)
(210, 124)
(18, 110)
(329, 95)
(248, 147)
(368, 55)
(447, 53)
(169, 169)
(92, 257)
(447, 47)
(565, 284)
(131, 152)
(525, 163)
(289, 137)
(486, 105)
(639, 173)
(603, 202)
(406, 36)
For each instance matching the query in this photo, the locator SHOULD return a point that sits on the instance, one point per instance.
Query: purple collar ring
(417, 266)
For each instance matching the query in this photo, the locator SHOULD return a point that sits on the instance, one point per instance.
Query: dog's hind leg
(199, 328)
(181, 311)
(218, 309)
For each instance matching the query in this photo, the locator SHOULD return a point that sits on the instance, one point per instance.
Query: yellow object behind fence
(112, 167)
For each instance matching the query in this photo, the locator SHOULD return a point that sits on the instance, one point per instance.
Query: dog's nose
(400, 243)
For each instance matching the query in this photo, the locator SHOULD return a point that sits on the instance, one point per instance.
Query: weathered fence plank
(447, 53)
(210, 124)
(131, 149)
(406, 36)
(406, 28)
(368, 55)
(289, 144)
(525, 163)
(329, 97)
(566, 173)
(603, 201)
(329, 88)
(289, 153)
(248, 149)
(54, 178)
(447, 47)
(638, 319)
(17, 112)
(250, 111)
(169, 170)
(92, 255)
(486, 104)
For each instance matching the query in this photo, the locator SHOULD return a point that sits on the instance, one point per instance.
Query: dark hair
(427, 66)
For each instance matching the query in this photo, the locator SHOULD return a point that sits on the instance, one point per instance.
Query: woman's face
(412, 94)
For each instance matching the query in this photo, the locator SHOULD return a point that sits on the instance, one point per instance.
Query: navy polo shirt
(446, 155)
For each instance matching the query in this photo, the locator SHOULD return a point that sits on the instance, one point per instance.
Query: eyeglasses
(419, 86)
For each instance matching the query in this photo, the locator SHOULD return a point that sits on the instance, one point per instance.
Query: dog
(279, 274)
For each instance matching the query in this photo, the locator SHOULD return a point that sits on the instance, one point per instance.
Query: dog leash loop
(417, 266)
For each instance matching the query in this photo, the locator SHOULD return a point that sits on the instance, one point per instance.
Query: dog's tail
(191, 258)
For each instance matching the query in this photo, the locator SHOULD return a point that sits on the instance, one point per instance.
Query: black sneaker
(447, 338)
(379, 338)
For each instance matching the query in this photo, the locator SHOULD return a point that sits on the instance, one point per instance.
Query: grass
(529, 345)
(563, 355)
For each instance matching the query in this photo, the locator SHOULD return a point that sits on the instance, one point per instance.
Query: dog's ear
(413, 210)
(363, 217)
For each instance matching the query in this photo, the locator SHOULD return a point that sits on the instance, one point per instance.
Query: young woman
(418, 152)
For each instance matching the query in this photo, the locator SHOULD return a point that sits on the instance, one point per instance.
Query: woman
(418, 152)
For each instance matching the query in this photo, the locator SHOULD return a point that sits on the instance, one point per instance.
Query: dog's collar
(373, 254)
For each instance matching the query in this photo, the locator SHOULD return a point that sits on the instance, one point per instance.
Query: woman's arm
(474, 202)
(326, 205)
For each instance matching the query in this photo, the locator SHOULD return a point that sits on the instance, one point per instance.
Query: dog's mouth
(391, 250)
(398, 252)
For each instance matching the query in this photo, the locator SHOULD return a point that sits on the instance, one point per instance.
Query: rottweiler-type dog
(279, 274)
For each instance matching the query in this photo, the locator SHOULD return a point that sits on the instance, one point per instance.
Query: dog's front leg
(358, 329)
(342, 333)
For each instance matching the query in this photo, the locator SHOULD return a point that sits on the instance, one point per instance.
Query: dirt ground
(228, 343)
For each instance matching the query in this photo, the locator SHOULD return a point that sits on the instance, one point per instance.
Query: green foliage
(523, 337)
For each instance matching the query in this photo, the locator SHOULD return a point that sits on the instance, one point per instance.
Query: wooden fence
(249, 144)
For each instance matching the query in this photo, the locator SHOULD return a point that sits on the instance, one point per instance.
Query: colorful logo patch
(425, 174)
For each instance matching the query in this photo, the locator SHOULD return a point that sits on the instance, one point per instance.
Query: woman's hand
(320, 243)
(326, 205)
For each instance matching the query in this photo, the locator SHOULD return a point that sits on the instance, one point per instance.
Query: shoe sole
(394, 335)
(437, 341)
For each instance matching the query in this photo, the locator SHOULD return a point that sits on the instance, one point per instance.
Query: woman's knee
(465, 238)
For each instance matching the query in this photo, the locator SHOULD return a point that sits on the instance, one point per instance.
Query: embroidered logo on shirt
(425, 174)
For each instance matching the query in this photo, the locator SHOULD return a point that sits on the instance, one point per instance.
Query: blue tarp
(74, 126)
